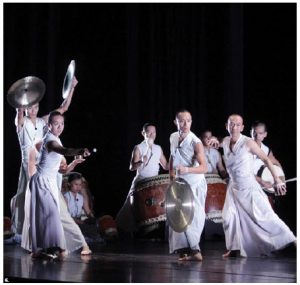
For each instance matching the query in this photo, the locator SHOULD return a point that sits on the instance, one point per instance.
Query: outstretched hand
(280, 188)
(86, 152)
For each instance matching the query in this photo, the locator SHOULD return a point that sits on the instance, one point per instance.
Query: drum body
(216, 193)
(265, 174)
(6, 225)
(107, 226)
(148, 200)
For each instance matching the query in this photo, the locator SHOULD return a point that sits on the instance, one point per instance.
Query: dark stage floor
(148, 261)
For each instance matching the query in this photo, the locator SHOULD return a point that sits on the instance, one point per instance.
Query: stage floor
(148, 261)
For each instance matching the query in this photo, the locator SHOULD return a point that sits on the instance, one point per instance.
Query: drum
(148, 200)
(7, 225)
(216, 193)
(107, 226)
(265, 174)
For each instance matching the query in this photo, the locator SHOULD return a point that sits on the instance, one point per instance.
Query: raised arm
(19, 120)
(66, 103)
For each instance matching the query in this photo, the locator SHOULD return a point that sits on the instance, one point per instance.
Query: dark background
(139, 63)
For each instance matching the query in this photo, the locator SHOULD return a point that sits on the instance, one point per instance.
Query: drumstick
(291, 179)
(286, 181)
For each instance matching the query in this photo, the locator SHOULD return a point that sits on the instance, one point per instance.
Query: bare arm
(19, 120)
(172, 173)
(54, 146)
(163, 161)
(221, 168)
(255, 149)
(273, 159)
(66, 103)
(86, 205)
(136, 159)
(66, 168)
(200, 157)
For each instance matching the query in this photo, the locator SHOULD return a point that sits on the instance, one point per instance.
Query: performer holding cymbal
(24, 95)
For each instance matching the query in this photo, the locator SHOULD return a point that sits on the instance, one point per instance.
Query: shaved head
(236, 117)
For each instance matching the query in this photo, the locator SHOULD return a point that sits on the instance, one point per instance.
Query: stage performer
(46, 233)
(146, 159)
(187, 159)
(258, 134)
(251, 226)
(30, 131)
(213, 157)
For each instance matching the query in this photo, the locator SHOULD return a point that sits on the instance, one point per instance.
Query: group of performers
(42, 221)
(40, 218)
(250, 224)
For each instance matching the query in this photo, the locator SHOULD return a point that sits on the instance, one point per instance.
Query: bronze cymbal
(179, 205)
(67, 85)
(26, 92)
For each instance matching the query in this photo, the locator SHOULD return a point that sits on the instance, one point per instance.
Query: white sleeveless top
(212, 157)
(184, 154)
(29, 135)
(75, 204)
(50, 161)
(239, 161)
(153, 157)
(258, 163)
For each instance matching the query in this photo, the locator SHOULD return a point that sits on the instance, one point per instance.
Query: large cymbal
(179, 205)
(67, 85)
(26, 92)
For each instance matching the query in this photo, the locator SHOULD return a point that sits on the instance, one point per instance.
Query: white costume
(28, 136)
(125, 219)
(249, 221)
(258, 163)
(74, 203)
(184, 155)
(74, 238)
(212, 157)
(45, 228)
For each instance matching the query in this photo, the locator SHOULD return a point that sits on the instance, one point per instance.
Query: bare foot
(183, 257)
(63, 254)
(195, 257)
(86, 250)
(230, 253)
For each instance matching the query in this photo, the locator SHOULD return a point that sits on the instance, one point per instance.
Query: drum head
(266, 175)
(179, 205)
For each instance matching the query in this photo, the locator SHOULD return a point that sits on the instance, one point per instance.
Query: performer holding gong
(25, 95)
(187, 161)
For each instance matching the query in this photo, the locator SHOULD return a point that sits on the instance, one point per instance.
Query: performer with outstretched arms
(30, 131)
(46, 233)
(251, 226)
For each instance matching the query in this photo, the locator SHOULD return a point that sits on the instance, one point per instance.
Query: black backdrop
(142, 62)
